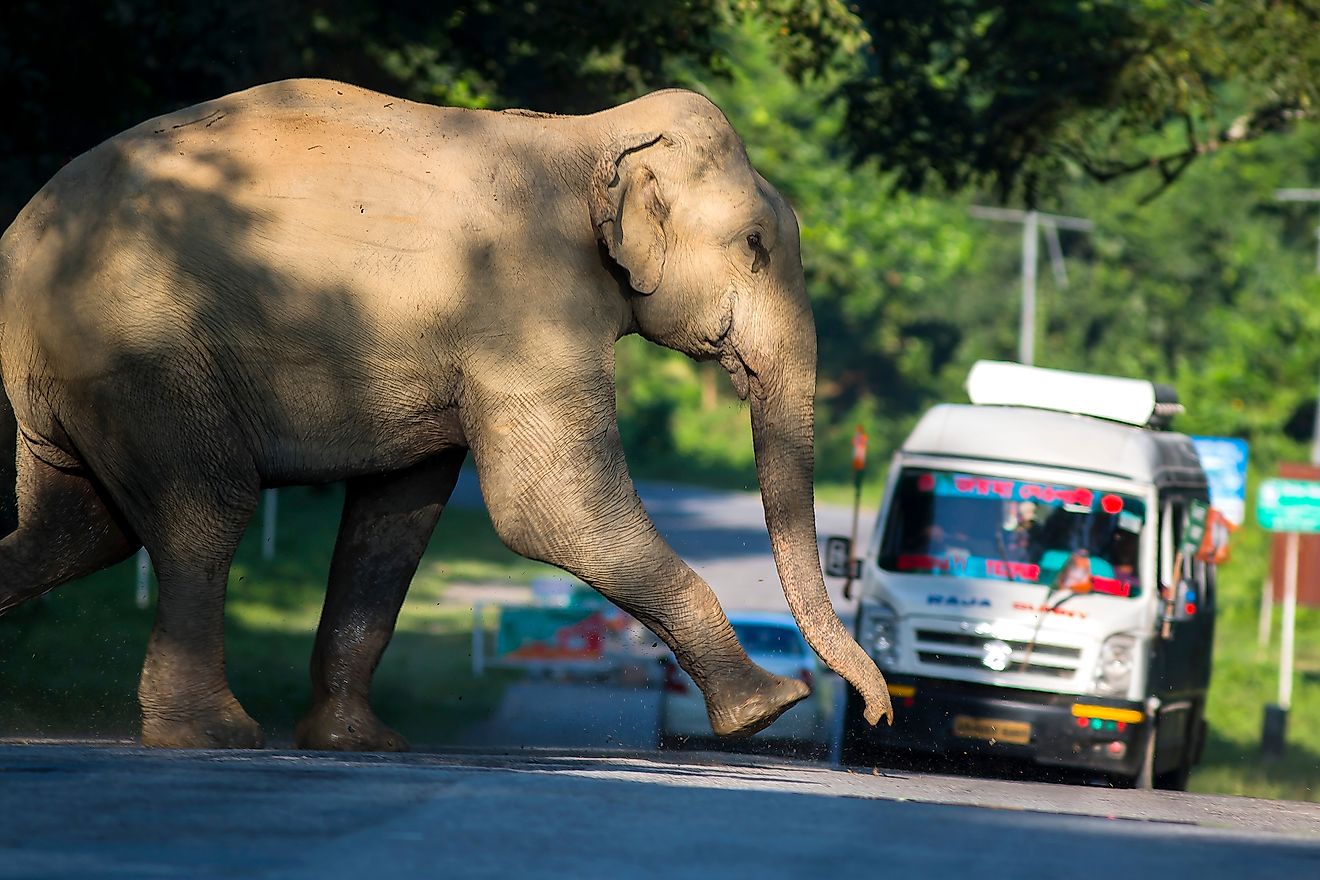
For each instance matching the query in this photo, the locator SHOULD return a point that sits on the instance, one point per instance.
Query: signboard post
(859, 465)
(1292, 507)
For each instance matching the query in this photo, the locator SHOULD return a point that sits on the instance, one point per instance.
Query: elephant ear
(629, 212)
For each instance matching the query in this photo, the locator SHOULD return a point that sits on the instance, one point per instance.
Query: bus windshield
(968, 525)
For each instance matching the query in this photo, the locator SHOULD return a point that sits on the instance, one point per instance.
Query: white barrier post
(143, 596)
(272, 499)
(478, 640)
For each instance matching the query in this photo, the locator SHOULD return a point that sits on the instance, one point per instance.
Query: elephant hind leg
(66, 529)
(387, 522)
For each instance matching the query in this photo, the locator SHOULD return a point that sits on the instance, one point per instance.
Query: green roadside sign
(1289, 505)
(1194, 527)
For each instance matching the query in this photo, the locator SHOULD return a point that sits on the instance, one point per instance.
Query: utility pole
(1308, 195)
(1032, 222)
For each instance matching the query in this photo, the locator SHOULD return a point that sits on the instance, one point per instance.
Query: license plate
(992, 730)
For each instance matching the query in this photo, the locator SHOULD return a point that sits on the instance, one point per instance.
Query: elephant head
(711, 252)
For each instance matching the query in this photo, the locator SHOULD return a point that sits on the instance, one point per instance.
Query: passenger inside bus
(941, 527)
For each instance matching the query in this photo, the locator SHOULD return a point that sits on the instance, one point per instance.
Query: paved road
(75, 811)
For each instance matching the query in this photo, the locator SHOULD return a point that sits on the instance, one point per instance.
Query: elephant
(308, 282)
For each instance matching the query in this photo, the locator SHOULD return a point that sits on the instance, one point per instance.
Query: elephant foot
(228, 728)
(752, 705)
(335, 727)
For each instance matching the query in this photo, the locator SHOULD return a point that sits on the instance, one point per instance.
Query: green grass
(1246, 678)
(1244, 681)
(69, 663)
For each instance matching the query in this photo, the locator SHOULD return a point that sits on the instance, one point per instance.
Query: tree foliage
(1020, 97)
(947, 94)
(880, 121)
(72, 80)
(1211, 287)
(874, 259)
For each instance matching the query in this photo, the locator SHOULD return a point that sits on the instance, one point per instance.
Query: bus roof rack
(1131, 401)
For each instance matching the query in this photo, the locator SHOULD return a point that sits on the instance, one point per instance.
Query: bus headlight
(1113, 671)
(879, 633)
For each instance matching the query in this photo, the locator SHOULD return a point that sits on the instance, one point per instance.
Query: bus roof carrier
(1131, 401)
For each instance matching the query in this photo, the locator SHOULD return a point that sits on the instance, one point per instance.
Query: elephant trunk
(782, 431)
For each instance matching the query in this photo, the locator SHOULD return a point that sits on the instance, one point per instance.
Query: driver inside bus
(1021, 531)
(1122, 556)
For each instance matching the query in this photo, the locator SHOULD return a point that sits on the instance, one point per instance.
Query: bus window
(970, 525)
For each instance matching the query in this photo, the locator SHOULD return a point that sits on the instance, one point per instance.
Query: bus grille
(968, 650)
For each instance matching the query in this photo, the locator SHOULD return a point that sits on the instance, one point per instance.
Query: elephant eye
(760, 258)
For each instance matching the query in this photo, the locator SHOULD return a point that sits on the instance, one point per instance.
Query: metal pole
(1315, 427)
(272, 500)
(1027, 327)
(1031, 221)
(852, 553)
(1055, 249)
(859, 464)
(1308, 195)
(1289, 623)
(1315, 431)
(1146, 773)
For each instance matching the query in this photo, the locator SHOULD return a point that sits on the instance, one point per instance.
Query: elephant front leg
(558, 491)
(387, 523)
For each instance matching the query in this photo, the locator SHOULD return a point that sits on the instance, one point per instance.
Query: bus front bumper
(960, 719)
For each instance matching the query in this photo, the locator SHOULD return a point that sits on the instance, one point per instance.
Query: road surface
(89, 812)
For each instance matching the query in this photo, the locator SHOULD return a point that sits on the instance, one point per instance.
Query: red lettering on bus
(1048, 609)
(921, 562)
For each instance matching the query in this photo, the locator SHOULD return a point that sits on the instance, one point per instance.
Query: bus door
(1184, 636)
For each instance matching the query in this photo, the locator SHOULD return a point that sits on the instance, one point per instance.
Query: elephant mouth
(744, 378)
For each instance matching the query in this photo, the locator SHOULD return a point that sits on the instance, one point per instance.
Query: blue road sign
(1225, 463)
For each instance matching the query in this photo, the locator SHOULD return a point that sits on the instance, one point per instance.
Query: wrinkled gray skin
(307, 282)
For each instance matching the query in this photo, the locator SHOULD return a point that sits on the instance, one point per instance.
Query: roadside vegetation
(1246, 678)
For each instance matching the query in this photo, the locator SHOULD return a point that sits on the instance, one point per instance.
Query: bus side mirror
(838, 558)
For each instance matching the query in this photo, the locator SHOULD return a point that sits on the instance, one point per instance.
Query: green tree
(72, 80)
(1018, 97)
